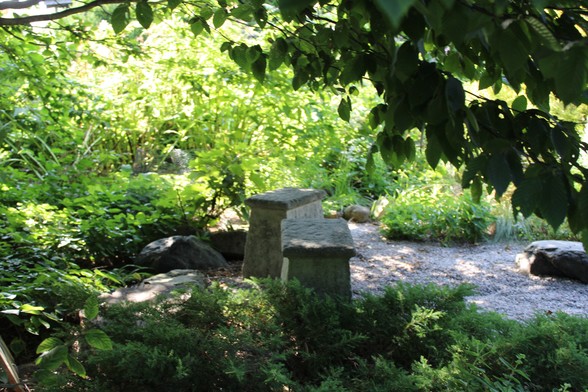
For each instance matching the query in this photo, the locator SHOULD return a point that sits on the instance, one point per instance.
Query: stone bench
(263, 246)
(317, 253)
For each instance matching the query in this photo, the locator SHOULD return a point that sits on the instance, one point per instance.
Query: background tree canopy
(420, 56)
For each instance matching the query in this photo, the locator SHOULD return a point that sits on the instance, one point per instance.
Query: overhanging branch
(26, 20)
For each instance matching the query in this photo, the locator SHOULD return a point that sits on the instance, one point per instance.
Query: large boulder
(555, 258)
(179, 252)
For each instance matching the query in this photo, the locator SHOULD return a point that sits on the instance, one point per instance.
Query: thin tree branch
(26, 20)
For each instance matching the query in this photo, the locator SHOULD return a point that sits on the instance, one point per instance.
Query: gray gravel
(490, 268)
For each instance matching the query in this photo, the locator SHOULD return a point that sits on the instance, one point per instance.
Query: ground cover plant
(276, 336)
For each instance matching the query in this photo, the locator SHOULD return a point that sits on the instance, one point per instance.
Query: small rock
(179, 252)
(555, 258)
(357, 214)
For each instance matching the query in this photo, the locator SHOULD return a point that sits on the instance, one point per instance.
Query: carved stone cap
(285, 198)
(316, 237)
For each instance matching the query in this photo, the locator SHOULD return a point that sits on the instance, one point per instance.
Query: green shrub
(427, 215)
(276, 336)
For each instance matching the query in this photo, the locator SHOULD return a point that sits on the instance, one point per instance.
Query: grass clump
(285, 337)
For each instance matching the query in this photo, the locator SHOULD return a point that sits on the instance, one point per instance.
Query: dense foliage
(276, 337)
(109, 141)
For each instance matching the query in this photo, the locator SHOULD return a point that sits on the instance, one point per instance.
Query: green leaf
(344, 109)
(172, 4)
(53, 358)
(526, 196)
(553, 203)
(519, 104)
(98, 339)
(219, 17)
(258, 68)
(277, 53)
(291, 8)
(395, 10)
(455, 94)
(91, 307)
(31, 309)
(353, 71)
(407, 61)
(144, 14)
(197, 26)
(120, 18)
(48, 345)
(498, 173)
(75, 366)
(433, 151)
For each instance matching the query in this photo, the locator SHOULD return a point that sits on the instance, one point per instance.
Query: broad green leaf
(560, 142)
(198, 25)
(219, 17)
(120, 18)
(91, 307)
(526, 196)
(512, 51)
(583, 205)
(258, 68)
(291, 8)
(498, 173)
(277, 53)
(395, 10)
(569, 70)
(206, 12)
(252, 54)
(553, 203)
(144, 14)
(455, 94)
(344, 109)
(433, 151)
(31, 309)
(98, 339)
(53, 358)
(407, 61)
(519, 104)
(353, 71)
(49, 344)
(75, 366)
(172, 4)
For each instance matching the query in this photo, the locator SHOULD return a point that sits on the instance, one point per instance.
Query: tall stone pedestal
(263, 248)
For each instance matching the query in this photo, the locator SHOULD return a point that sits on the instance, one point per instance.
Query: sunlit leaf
(75, 366)
(48, 344)
(91, 307)
(98, 339)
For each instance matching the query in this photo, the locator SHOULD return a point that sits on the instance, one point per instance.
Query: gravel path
(490, 268)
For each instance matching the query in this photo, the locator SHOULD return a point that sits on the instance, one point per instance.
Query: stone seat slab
(317, 253)
(285, 198)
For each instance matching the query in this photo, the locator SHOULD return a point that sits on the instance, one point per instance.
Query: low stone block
(317, 253)
(555, 258)
(263, 247)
